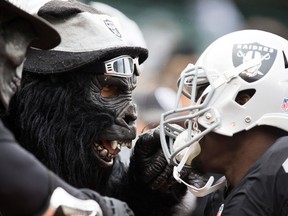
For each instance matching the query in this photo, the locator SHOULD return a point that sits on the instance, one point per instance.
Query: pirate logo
(263, 54)
(112, 28)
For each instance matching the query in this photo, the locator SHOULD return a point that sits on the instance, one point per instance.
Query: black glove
(150, 165)
(153, 189)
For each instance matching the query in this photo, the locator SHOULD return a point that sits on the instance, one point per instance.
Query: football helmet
(253, 61)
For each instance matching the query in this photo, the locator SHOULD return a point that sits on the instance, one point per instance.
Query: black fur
(52, 116)
(55, 117)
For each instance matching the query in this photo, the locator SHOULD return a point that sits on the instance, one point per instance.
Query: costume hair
(52, 115)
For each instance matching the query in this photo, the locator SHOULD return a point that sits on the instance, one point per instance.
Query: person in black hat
(26, 186)
(75, 112)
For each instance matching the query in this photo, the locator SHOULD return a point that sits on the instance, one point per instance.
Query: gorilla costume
(74, 114)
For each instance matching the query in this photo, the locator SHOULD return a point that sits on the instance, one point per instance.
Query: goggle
(122, 66)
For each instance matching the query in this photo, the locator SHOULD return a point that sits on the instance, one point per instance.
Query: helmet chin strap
(185, 157)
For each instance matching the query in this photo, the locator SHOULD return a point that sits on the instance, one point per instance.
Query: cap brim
(52, 61)
(47, 36)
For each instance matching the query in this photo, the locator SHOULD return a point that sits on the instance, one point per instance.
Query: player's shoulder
(279, 150)
(273, 159)
(280, 144)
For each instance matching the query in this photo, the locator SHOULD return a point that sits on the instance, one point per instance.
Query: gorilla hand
(150, 165)
(153, 189)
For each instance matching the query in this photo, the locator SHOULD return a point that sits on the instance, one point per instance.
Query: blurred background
(175, 27)
(175, 33)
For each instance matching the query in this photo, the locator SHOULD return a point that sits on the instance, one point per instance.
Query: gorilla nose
(127, 116)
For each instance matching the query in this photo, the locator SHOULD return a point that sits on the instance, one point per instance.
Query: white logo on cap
(112, 28)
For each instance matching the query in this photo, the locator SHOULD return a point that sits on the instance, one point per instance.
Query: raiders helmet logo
(112, 28)
(245, 52)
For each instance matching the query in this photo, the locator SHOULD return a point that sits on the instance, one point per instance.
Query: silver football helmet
(246, 60)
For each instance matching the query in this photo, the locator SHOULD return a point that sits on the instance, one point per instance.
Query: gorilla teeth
(104, 152)
(114, 144)
(127, 144)
(99, 147)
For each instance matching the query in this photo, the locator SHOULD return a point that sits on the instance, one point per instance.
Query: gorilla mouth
(106, 150)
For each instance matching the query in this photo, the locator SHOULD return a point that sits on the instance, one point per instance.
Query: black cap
(47, 36)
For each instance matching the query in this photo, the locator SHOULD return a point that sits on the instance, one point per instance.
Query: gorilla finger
(169, 184)
(196, 180)
(185, 172)
(172, 183)
(147, 144)
(156, 134)
(164, 179)
(154, 168)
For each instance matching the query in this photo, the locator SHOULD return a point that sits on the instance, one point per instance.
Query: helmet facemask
(202, 87)
(181, 145)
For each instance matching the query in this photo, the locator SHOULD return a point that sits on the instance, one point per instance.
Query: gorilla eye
(109, 91)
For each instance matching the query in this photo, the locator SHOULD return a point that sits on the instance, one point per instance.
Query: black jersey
(262, 191)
